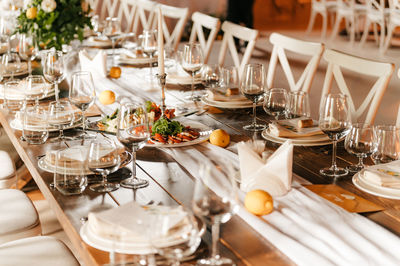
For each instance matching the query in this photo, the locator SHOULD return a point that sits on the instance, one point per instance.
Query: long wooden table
(171, 183)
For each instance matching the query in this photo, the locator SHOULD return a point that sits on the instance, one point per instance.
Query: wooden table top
(171, 183)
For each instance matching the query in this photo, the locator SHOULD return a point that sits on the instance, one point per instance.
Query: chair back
(201, 21)
(109, 8)
(232, 30)
(394, 6)
(375, 9)
(126, 14)
(94, 6)
(283, 43)
(145, 16)
(180, 15)
(382, 71)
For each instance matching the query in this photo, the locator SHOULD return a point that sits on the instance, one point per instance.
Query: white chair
(201, 21)
(145, 17)
(382, 71)
(393, 21)
(18, 216)
(126, 14)
(376, 15)
(8, 175)
(36, 251)
(180, 15)
(350, 12)
(109, 8)
(232, 30)
(281, 44)
(324, 8)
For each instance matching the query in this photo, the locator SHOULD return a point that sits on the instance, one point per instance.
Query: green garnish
(165, 127)
(149, 106)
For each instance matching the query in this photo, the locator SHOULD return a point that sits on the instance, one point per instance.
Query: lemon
(115, 72)
(31, 12)
(220, 138)
(259, 202)
(107, 97)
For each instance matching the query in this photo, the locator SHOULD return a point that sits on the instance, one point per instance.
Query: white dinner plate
(22, 97)
(385, 192)
(16, 74)
(17, 125)
(141, 60)
(317, 140)
(94, 42)
(228, 105)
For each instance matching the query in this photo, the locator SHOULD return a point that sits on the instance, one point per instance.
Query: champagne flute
(61, 118)
(103, 158)
(133, 132)
(82, 93)
(215, 206)
(37, 87)
(150, 46)
(335, 121)
(192, 61)
(298, 104)
(253, 87)
(275, 102)
(386, 144)
(359, 142)
(28, 49)
(54, 70)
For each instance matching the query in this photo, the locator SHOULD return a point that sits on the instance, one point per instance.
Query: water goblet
(82, 94)
(359, 142)
(211, 76)
(36, 87)
(386, 144)
(253, 88)
(54, 70)
(275, 102)
(133, 132)
(14, 96)
(298, 104)
(103, 158)
(229, 78)
(35, 127)
(11, 63)
(61, 118)
(112, 30)
(192, 62)
(28, 49)
(334, 121)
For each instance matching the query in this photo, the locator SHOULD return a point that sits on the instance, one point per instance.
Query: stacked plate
(130, 58)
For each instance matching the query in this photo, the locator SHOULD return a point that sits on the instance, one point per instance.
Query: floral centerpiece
(54, 22)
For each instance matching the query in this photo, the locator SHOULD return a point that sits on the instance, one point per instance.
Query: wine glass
(82, 93)
(103, 158)
(192, 61)
(112, 30)
(386, 144)
(28, 49)
(211, 76)
(174, 239)
(133, 132)
(54, 70)
(253, 87)
(359, 142)
(275, 102)
(11, 63)
(229, 78)
(150, 46)
(298, 104)
(216, 205)
(36, 87)
(61, 118)
(335, 121)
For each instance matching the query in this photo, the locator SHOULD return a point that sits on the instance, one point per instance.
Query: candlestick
(160, 40)
(162, 78)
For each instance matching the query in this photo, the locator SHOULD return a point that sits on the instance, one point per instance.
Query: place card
(345, 199)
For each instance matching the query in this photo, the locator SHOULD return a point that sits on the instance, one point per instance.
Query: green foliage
(165, 127)
(66, 23)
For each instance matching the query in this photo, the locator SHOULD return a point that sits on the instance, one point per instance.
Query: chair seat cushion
(17, 212)
(36, 251)
(7, 168)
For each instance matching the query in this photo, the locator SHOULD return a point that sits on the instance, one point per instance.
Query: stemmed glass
(192, 61)
(335, 121)
(36, 87)
(82, 94)
(359, 142)
(150, 46)
(61, 118)
(211, 76)
(112, 30)
(229, 78)
(105, 159)
(215, 206)
(298, 104)
(28, 49)
(253, 87)
(133, 132)
(275, 102)
(11, 64)
(54, 70)
(386, 144)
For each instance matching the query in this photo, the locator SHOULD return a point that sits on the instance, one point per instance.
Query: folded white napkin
(385, 175)
(96, 65)
(289, 129)
(273, 176)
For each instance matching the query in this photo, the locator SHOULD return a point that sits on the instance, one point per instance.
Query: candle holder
(162, 79)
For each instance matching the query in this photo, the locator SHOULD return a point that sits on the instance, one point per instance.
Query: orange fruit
(219, 137)
(115, 72)
(31, 12)
(107, 97)
(259, 202)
